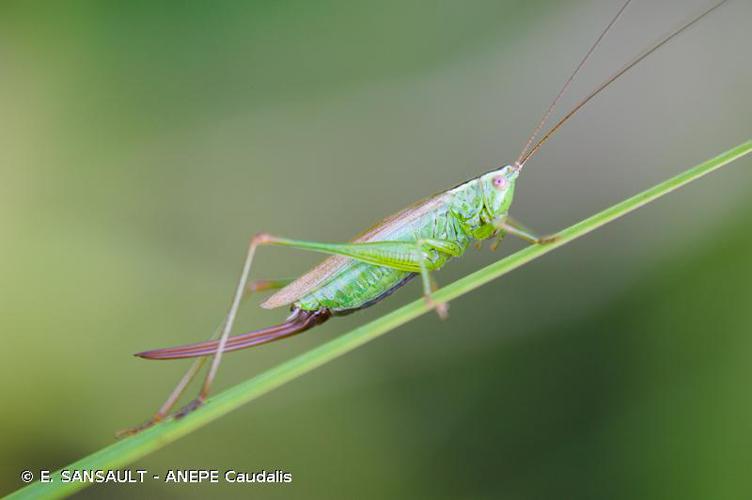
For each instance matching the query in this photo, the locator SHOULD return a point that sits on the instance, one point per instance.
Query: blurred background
(142, 144)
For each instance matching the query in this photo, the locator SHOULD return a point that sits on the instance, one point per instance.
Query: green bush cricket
(411, 243)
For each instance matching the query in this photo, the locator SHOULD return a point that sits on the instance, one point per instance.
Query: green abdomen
(357, 286)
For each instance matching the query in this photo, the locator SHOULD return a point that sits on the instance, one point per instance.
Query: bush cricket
(411, 243)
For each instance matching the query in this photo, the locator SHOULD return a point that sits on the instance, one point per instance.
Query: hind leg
(256, 286)
(401, 255)
(227, 325)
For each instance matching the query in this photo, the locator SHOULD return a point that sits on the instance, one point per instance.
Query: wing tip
(276, 301)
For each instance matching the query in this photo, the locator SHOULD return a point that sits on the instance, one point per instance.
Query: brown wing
(380, 231)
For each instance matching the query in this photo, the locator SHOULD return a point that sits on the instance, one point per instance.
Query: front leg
(511, 226)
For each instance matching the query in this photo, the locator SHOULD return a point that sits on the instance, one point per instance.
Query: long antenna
(566, 85)
(520, 163)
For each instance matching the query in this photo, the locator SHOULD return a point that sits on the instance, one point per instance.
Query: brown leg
(256, 286)
(240, 291)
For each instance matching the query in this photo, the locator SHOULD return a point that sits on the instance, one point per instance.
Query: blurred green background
(143, 143)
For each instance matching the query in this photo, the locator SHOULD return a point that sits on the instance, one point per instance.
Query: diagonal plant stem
(131, 449)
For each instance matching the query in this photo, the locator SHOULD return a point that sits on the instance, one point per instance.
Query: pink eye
(500, 182)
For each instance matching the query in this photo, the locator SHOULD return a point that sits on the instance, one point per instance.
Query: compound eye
(500, 182)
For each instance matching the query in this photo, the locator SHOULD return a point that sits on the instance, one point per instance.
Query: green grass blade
(131, 449)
